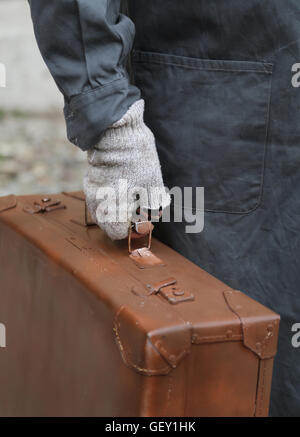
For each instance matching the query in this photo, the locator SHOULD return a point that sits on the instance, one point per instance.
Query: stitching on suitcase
(218, 337)
(164, 370)
(261, 388)
(186, 345)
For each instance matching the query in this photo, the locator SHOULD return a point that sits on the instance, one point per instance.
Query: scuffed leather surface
(69, 274)
(8, 202)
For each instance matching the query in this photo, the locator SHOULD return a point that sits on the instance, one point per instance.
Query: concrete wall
(29, 86)
(35, 156)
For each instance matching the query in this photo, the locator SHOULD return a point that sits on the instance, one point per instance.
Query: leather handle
(138, 230)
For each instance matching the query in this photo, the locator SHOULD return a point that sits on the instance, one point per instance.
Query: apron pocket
(210, 120)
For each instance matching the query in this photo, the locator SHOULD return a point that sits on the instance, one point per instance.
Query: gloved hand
(123, 163)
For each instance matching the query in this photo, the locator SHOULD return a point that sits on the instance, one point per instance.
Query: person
(213, 88)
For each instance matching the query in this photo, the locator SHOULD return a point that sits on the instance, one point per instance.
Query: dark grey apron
(217, 80)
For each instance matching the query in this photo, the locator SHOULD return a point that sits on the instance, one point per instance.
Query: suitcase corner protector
(260, 326)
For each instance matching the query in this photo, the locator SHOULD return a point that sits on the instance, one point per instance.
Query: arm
(85, 44)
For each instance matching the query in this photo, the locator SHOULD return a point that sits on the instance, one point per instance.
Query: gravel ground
(35, 155)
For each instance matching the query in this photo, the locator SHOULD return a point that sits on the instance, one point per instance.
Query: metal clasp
(47, 205)
(170, 291)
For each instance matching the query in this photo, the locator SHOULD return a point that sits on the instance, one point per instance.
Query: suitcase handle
(137, 230)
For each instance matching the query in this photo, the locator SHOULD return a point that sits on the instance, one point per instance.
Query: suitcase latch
(169, 290)
(46, 205)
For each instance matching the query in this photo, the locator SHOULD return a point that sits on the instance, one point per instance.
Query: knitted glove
(121, 166)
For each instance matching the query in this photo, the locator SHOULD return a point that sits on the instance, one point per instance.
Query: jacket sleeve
(85, 44)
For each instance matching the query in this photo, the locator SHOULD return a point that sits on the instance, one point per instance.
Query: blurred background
(35, 156)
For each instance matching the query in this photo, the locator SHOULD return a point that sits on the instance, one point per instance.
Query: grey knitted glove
(124, 163)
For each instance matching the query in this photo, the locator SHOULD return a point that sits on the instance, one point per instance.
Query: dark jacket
(217, 80)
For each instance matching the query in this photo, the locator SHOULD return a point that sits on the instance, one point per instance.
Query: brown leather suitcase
(92, 331)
